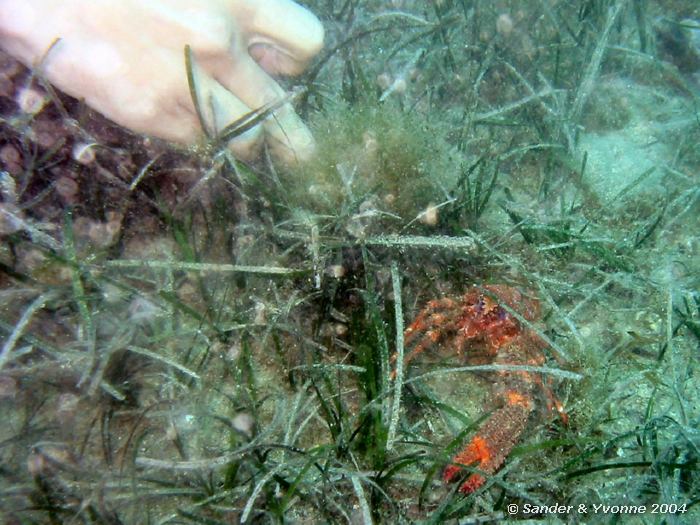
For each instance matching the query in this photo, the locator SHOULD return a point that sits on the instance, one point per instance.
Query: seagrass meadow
(186, 338)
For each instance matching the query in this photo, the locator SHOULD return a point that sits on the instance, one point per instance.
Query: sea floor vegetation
(185, 338)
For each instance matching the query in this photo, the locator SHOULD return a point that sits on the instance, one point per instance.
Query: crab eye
(481, 305)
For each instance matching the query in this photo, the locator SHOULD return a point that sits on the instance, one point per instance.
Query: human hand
(125, 58)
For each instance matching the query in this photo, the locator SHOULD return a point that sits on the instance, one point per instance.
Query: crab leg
(493, 442)
(432, 324)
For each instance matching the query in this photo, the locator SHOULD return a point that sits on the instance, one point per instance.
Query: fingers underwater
(219, 108)
(289, 139)
(282, 36)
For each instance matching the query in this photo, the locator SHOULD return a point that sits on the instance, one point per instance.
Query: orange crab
(492, 334)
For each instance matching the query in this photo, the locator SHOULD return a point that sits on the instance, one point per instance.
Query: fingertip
(245, 147)
(313, 35)
(290, 141)
(284, 36)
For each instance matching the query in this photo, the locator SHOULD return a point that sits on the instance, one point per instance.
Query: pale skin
(125, 58)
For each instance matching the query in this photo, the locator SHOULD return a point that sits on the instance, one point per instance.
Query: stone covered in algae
(372, 157)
